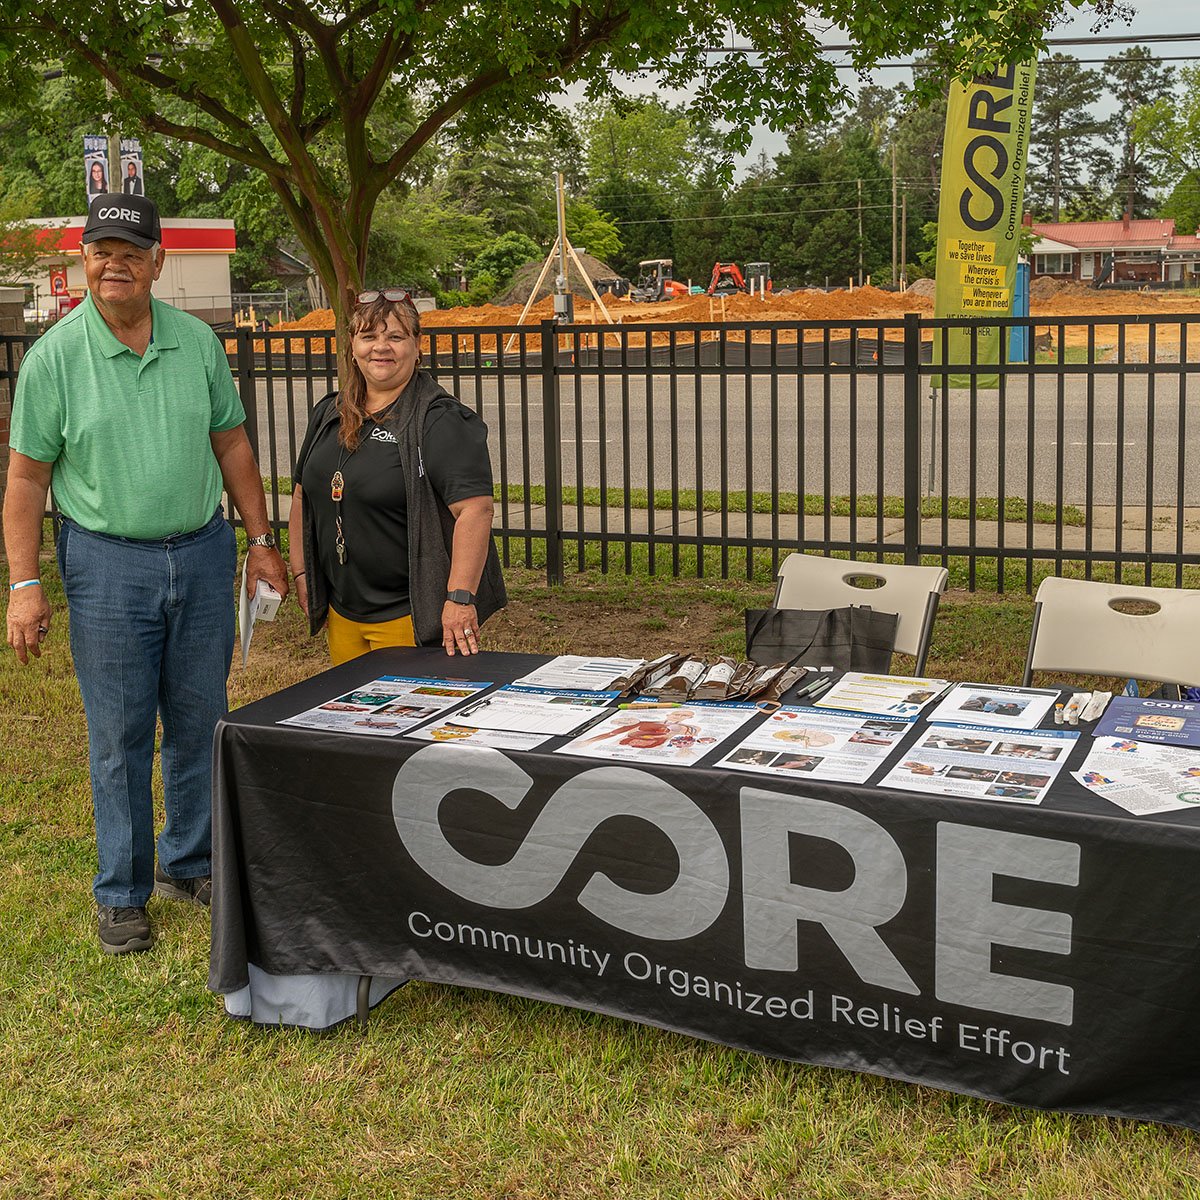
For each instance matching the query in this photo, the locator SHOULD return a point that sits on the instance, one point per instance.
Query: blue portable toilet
(1018, 335)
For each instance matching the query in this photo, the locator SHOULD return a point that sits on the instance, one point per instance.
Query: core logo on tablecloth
(968, 921)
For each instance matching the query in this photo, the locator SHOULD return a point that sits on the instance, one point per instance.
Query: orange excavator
(726, 280)
(655, 281)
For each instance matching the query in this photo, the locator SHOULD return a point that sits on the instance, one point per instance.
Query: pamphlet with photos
(547, 711)
(681, 735)
(387, 706)
(1141, 777)
(992, 704)
(819, 744)
(883, 695)
(1147, 719)
(978, 760)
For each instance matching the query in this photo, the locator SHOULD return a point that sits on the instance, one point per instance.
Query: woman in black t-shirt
(390, 465)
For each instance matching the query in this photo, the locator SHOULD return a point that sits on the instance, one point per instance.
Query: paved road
(627, 434)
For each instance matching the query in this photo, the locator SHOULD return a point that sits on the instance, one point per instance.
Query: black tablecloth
(1036, 954)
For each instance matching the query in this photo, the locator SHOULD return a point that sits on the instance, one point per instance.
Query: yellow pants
(348, 639)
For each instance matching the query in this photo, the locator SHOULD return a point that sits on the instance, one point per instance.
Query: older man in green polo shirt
(128, 408)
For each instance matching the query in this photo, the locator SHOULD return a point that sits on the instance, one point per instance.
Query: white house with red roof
(195, 275)
(1145, 250)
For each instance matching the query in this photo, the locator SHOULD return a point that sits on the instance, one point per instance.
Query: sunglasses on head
(395, 295)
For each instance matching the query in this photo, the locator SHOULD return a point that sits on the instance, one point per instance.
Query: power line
(1090, 40)
(800, 212)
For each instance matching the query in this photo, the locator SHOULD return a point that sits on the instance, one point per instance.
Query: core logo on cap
(120, 214)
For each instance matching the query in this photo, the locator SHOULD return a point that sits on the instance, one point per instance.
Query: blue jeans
(152, 628)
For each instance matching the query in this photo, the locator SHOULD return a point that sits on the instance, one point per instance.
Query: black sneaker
(194, 891)
(123, 930)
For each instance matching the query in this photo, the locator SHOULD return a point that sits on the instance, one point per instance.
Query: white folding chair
(810, 581)
(1079, 628)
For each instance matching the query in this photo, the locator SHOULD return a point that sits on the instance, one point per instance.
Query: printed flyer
(977, 760)
(882, 695)
(499, 739)
(992, 704)
(682, 735)
(546, 711)
(387, 706)
(1170, 722)
(842, 746)
(1141, 777)
(578, 673)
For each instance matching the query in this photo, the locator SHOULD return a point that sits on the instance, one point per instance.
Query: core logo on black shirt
(379, 434)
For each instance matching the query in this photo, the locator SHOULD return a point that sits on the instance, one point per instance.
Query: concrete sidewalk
(1162, 537)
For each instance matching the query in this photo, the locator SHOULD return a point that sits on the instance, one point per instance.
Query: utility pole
(904, 235)
(564, 305)
(893, 214)
(860, 236)
(114, 147)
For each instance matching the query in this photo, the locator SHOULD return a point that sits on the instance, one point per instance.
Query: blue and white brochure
(1018, 765)
(1144, 719)
(818, 743)
(388, 706)
(548, 711)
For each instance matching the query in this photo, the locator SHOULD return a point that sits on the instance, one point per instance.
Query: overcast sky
(1157, 17)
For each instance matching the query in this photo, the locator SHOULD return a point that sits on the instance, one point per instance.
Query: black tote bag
(855, 638)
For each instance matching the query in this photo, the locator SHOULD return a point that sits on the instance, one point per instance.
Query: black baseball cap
(130, 218)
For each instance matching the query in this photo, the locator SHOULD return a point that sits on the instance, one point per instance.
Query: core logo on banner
(968, 920)
(979, 213)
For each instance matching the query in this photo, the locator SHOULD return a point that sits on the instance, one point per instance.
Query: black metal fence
(715, 449)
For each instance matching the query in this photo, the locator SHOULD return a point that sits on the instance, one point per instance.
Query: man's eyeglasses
(395, 295)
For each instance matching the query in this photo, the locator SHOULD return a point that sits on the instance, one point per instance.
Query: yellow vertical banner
(979, 213)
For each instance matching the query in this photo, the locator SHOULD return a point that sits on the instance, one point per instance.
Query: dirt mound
(922, 287)
(526, 277)
(1046, 286)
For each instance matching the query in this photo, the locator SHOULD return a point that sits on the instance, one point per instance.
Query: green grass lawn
(122, 1078)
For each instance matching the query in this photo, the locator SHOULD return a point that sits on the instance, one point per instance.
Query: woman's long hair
(352, 400)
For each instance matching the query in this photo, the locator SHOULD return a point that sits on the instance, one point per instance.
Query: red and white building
(1146, 250)
(195, 275)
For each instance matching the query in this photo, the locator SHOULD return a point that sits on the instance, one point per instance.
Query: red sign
(58, 281)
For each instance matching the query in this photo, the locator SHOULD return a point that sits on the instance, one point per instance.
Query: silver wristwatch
(264, 539)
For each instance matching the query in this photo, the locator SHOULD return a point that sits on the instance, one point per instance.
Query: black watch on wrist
(263, 539)
(461, 596)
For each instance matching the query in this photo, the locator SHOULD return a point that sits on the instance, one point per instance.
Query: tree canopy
(334, 102)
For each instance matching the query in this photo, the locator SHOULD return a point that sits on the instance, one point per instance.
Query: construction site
(1049, 301)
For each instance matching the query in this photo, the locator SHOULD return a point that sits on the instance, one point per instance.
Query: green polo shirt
(128, 435)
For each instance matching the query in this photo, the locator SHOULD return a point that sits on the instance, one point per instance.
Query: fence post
(552, 453)
(912, 438)
(244, 356)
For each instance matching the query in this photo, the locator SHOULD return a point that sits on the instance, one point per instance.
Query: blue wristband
(12, 587)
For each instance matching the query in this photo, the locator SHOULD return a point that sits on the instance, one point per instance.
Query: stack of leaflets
(579, 673)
